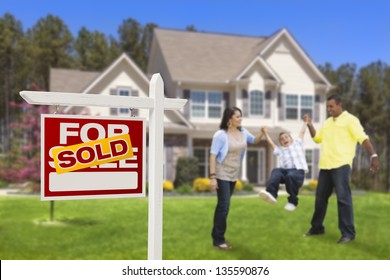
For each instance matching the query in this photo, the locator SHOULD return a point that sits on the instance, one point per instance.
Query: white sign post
(156, 103)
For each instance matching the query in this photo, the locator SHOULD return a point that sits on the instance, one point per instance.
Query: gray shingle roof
(206, 57)
(70, 80)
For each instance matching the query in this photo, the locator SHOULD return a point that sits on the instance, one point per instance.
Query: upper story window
(306, 105)
(123, 92)
(291, 106)
(206, 104)
(297, 106)
(256, 101)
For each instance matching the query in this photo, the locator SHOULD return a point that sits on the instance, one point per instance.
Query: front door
(255, 166)
(252, 164)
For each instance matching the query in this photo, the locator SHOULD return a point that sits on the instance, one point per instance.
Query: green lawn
(116, 229)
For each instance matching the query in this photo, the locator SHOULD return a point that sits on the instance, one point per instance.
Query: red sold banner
(92, 157)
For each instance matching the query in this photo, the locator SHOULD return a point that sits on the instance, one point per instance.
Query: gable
(292, 69)
(291, 62)
(285, 63)
(120, 75)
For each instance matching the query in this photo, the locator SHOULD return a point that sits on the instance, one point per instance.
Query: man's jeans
(292, 178)
(328, 180)
(224, 193)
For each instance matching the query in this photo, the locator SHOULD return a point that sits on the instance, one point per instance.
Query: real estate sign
(92, 157)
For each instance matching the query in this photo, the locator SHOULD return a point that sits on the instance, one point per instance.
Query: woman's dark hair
(227, 115)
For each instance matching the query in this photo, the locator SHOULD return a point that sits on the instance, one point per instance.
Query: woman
(227, 150)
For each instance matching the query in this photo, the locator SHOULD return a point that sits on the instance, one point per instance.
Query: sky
(331, 31)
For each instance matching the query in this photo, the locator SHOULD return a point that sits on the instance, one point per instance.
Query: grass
(116, 229)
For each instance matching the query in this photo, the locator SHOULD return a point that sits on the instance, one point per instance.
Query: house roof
(205, 57)
(220, 58)
(70, 80)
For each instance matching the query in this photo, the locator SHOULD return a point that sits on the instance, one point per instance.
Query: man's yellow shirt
(339, 137)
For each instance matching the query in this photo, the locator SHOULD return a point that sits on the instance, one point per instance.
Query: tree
(13, 73)
(24, 153)
(373, 111)
(114, 49)
(146, 41)
(192, 28)
(92, 50)
(135, 40)
(343, 80)
(51, 46)
(129, 39)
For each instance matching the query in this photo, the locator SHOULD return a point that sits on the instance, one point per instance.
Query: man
(338, 137)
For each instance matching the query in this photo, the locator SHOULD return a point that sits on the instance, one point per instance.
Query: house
(271, 79)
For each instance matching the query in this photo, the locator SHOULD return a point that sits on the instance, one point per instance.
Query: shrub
(201, 185)
(313, 183)
(186, 170)
(185, 189)
(310, 186)
(168, 186)
(248, 187)
(239, 185)
(3, 184)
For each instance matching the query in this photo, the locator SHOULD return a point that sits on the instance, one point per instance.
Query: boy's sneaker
(267, 197)
(290, 207)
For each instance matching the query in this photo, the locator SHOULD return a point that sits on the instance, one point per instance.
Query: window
(123, 92)
(306, 105)
(256, 102)
(206, 104)
(215, 104)
(203, 161)
(198, 104)
(298, 106)
(291, 107)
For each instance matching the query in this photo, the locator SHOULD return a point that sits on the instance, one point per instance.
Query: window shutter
(245, 103)
(281, 106)
(267, 104)
(226, 100)
(113, 111)
(316, 113)
(135, 111)
(187, 95)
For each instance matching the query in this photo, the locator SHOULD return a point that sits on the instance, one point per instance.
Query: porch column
(244, 170)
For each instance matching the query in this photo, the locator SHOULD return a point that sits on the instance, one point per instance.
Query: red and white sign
(92, 157)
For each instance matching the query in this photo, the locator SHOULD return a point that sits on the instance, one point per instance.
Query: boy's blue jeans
(292, 178)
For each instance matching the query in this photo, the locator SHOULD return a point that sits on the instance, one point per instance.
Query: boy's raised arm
(269, 140)
(303, 130)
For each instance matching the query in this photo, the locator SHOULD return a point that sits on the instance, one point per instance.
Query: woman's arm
(212, 174)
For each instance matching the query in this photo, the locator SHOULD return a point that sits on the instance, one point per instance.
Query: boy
(293, 166)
